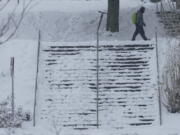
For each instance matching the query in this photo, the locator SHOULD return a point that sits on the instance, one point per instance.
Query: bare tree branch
(4, 5)
(14, 19)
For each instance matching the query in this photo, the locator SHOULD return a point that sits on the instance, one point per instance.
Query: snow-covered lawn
(72, 21)
(25, 66)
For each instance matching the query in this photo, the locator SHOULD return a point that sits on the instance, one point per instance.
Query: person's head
(142, 9)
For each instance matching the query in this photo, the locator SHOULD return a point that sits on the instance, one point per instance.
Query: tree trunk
(177, 4)
(113, 16)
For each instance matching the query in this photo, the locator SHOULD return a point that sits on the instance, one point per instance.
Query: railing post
(12, 94)
(161, 7)
(36, 83)
(157, 8)
(158, 77)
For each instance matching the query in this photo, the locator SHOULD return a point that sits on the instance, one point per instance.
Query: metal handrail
(97, 66)
(158, 77)
(36, 83)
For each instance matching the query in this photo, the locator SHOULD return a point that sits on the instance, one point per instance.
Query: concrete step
(68, 88)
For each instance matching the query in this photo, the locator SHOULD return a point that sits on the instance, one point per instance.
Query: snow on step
(127, 95)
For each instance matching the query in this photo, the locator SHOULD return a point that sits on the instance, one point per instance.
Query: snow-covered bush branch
(171, 79)
(12, 13)
(7, 120)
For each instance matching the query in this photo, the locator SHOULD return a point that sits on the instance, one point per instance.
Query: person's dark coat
(140, 19)
(140, 24)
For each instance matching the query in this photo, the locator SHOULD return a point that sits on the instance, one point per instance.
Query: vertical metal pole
(12, 77)
(97, 65)
(36, 84)
(157, 9)
(161, 6)
(97, 74)
(159, 89)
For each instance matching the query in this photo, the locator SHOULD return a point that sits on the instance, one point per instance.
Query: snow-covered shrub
(171, 79)
(6, 118)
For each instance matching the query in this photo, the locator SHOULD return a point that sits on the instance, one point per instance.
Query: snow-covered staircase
(171, 22)
(127, 85)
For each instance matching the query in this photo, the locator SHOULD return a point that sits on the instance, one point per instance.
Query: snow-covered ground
(78, 20)
(72, 21)
(24, 52)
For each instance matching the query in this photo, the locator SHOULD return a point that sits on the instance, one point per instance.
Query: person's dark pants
(139, 30)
